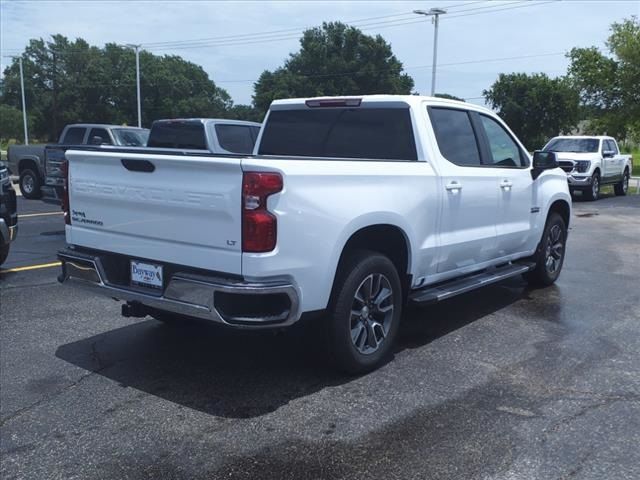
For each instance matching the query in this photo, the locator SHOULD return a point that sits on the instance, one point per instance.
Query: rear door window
(73, 136)
(99, 136)
(455, 136)
(185, 135)
(364, 133)
(235, 138)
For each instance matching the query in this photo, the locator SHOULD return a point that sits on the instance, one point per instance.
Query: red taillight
(65, 194)
(259, 226)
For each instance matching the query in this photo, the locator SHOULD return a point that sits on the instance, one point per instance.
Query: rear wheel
(549, 257)
(593, 193)
(365, 312)
(622, 186)
(30, 184)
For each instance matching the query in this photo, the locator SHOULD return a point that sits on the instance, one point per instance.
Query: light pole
(435, 13)
(137, 49)
(24, 103)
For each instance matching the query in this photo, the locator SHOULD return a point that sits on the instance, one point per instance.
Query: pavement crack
(48, 398)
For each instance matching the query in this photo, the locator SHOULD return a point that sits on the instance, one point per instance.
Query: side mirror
(543, 161)
(608, 154)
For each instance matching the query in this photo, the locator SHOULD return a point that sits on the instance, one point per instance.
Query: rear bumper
(232, 302)
(52, 194)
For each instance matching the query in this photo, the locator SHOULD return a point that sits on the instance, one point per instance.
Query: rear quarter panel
(324, 202)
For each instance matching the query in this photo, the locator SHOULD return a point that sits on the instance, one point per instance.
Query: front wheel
(549, 257)
(30, 184)
(594, 192)
(622, 186)
(365, 311)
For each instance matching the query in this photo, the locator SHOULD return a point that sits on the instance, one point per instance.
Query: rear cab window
(99, 136)
(178, 134)
(363, 132)
(236, 138)
(73, 136)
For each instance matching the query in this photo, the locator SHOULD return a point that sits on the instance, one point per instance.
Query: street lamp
(137, 49)
(435, 13)
(24, 104)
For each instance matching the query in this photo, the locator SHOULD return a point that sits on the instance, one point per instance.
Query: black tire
(622, 186)
(4, 252)
(379, 314)
(553, 244)
(30, 183)
(593, 193)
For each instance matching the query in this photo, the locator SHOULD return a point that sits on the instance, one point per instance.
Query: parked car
(590, 162)
(8, 214)
(350, 208)
(211, 134)
(28, 161)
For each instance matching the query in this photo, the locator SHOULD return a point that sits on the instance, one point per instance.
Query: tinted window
(235, 138)
(74, 136)
(610, 146)
(99, 136)
(131, 137)
(187, 135)
(376, 133)
(455, 136)
(574, 145)
(504, 150)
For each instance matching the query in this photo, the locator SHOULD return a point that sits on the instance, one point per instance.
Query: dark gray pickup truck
(29, 161)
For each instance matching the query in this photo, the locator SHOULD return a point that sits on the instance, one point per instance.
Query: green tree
(334, 59)
(609, 86)
(535, 106)
(10, 123)
(68, 82)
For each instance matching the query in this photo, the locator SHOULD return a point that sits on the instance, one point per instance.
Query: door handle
(506, 184)
(453, 186)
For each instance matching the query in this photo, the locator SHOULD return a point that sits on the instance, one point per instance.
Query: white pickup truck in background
(590, 162)
(349, 208)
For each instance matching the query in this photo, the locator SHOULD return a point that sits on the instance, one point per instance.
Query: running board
(454, 287)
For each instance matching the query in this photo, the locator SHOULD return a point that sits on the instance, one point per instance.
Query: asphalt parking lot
(501, 383)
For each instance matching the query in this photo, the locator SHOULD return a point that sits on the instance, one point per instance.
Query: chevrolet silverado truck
(348, 209)
(8, 214)
(590, 162)
(80, 134)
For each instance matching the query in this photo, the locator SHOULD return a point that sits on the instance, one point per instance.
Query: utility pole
(137, 49)
(435, 13)
(24, 103)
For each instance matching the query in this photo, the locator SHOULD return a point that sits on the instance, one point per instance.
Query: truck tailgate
(175, 209)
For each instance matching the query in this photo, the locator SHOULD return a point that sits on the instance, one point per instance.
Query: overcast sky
(477, 39)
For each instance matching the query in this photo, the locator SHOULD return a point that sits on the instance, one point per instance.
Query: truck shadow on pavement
(238, 374)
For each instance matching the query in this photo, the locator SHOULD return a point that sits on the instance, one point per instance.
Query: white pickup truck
(590, 162)
(349, 208)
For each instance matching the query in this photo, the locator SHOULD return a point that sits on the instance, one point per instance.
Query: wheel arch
(26, 163)
(387, 239)
(562, 208)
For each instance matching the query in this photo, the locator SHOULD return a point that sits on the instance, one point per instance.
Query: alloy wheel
(555, 250)
(371, 313)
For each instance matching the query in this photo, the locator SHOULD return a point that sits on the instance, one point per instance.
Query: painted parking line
(31, 267)
(43, 214)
